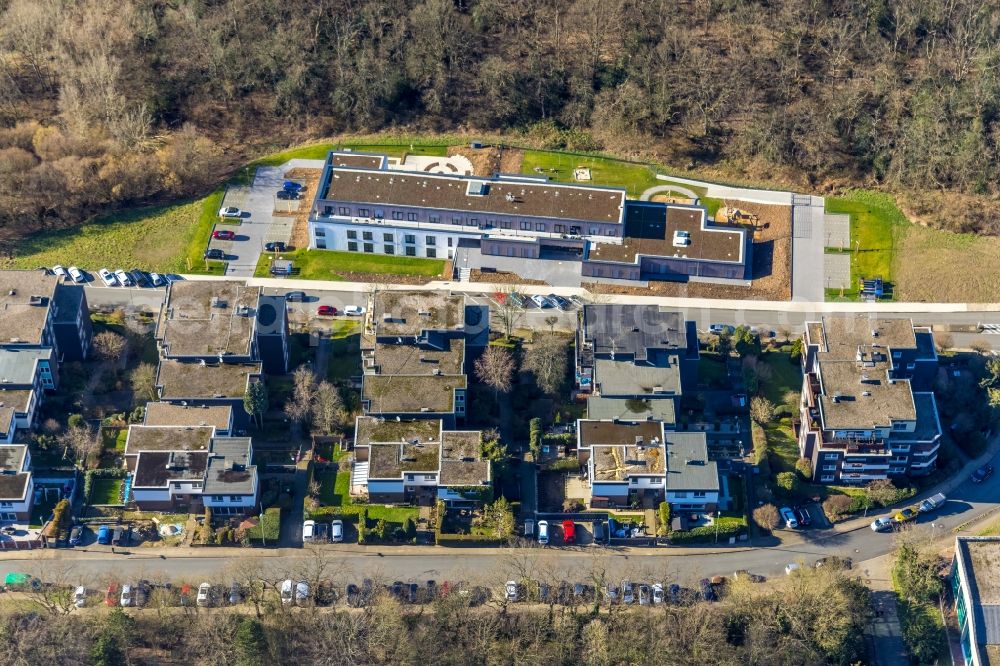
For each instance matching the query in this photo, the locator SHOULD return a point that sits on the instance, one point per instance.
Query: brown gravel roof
(19, 319)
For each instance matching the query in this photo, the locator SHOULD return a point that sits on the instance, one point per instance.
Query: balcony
(875, 447)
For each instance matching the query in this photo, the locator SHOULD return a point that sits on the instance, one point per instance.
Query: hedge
(664, 528)
(727, 527)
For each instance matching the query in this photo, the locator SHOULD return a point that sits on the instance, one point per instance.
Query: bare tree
(508, 310)
(82, 441)
(299, 407)
(546, 358)
(495, 368)
(144, 382)
(109, 347)
(761, 410)
(327, 406)
(766, 516)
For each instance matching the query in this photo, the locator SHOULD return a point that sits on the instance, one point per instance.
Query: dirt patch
(666, 198)
(511, 160)
(966, 268)
(385, 278)
(501, 277)
(772, 265)
(485, 161)
(300, 226)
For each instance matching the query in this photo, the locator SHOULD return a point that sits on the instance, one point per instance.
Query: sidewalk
(889, 649)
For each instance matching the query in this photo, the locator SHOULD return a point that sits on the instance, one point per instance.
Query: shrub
(410, 528)
(664, 528)
(75, 421)
(836, 506)
(804, 467)
(788, 482)
(535, 436)
(573, 505)
(766, 516)
(724, 530)
(759, 440)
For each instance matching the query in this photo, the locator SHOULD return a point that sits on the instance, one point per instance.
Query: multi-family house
(861, 415)
(418, 461)
(38, 310)
(16, 485)
(644, 464)
(975, 593)
(219, 417)
(175, 468)
(363, 205)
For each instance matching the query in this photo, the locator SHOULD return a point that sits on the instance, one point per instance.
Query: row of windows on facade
(524, 225)
(408, 239)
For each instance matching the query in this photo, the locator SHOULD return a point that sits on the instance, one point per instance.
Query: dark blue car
(291, 186)
(104, 535)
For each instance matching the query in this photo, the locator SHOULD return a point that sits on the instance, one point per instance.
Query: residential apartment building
(16, 485)
(189, 468)
(362, 205)
(975, 587)
(418, 461)
(866, 411)
(642, 463)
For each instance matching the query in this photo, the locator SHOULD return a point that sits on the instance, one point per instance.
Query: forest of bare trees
(105, 104)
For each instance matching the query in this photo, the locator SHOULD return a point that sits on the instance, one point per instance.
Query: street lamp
(263, 542)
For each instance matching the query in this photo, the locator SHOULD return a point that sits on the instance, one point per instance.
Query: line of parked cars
(910, 513)
(552, 301)
(290, 191)
(133, 278)
(795, 518)
(313, 532)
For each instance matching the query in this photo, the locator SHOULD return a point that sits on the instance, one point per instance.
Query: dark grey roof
(925, 343)
(68, 301)
(624, 378)
(17, 366)
(271, 312)
(688, 466)
(622, 409)
(633, 329)
(229, 470)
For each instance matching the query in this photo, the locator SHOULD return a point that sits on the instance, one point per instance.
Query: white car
(657, 593)
(337, 531)
(882, 524)
(543, 532)
(510, 590)
(791, 522)
(123, 277)
(301, 592)
(77, 275)
(128, 596)
(59, 270)
(231, 212)
(354, 310)
(157, 279)
(628, 592)
(309, 530)
(204, 595)
(286, 592)
(80, 597)
(541, 301)
(791, 568)
(108, 277)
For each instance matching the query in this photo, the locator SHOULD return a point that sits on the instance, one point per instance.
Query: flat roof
(618, 378)
(13, 486)
(391, 461)
(408, 313)
(12, 457)
(928, 424)
(169, 414)
(598, 433)
(688, 466)
(68, 301)
(16, 399)
(22, 313)
(618, 463)
(229, 470)
(370, 430)
(208, 317)
(503, 196)
(420, 360)
(461, 459)
(180, 379)
(155, 469)
(17, 366)
(6, 419)
(168, 438)
(981, 559)
(631, 409)
(839, 337)
(650, 231)
(862, 398)
(412, 394)
(349, 158)
(633, 329)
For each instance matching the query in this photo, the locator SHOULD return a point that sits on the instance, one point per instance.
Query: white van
(543, 532)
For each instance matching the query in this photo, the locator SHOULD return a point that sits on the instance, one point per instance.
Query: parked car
(791, 568)
(230, 212)
(337, 531)
(644, 595)
(628, 592)
(582, 592)
(108, 277)
(77, 275)
(292, 186)
(510, 591)
(308, 530)
(982, 473)
(204, 598)
(59, 270)
(76, 535)
(127, 596)
(803, 515)
(142, 590)
(301, 592)
(275, 246)
(215, 253)
(104, 535)
(658, 595)
(185, 595)
(353, 596)
(223, 234)
(326, 311)
(295, 296)
(354, 311)
(932, 503)
(881, 524)
(122, 536)
(791, 522)
(707, 591)
(541, 301)
(111, 596)
(235, 593)
(140, 277)
(743, 574)
(719, 329)
(287, 195)
(544, 593)
(543, 532)
(569, 532)
(835, 561)
(80, 597)
(611, 593)
(906, 515)
(123, 278)
(157, 279)
(560, 302)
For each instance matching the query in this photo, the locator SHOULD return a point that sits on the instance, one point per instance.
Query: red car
(569, 532)
(111, 598)
(326, 311)
(223, 234)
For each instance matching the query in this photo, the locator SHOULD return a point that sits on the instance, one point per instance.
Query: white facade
(435, 241)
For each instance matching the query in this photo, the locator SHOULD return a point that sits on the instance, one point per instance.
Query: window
(431, 240)
(830, 456)
(412, 217)
(829, 468)
(369, 248)
(352, 233)
(388, 238)
(379, 214)
(699, 493)
(343, 210)
(505, 224)
(827, 478)
(474, 221)
(434, 218)
(363, 212)
(560, 228)
(525, 226)
(897, 354)
(456, 220)
(320, 231)
(218, 498)
(390, 249)
(409, 238)
(429, 477)
(320, 244)
(449, 241)
(7, 505)
(681, 495)
(539, 226)
(352, 246)
(898, 426)
(911, 366)
(367, 235)
(235, 498)
(431, 253)
(411, 251)
(593, 231)
(397, 215)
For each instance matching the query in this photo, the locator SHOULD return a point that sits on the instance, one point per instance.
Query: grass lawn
(327, 264)
(966, 267)
(344, 360)
(876, 226)
(106, 491)
(392, 514)
(398, 150)
(635, 178)
(786, 379)
(712, 370)
(336, 491)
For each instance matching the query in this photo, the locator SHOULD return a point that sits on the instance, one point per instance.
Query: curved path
(657, 189)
